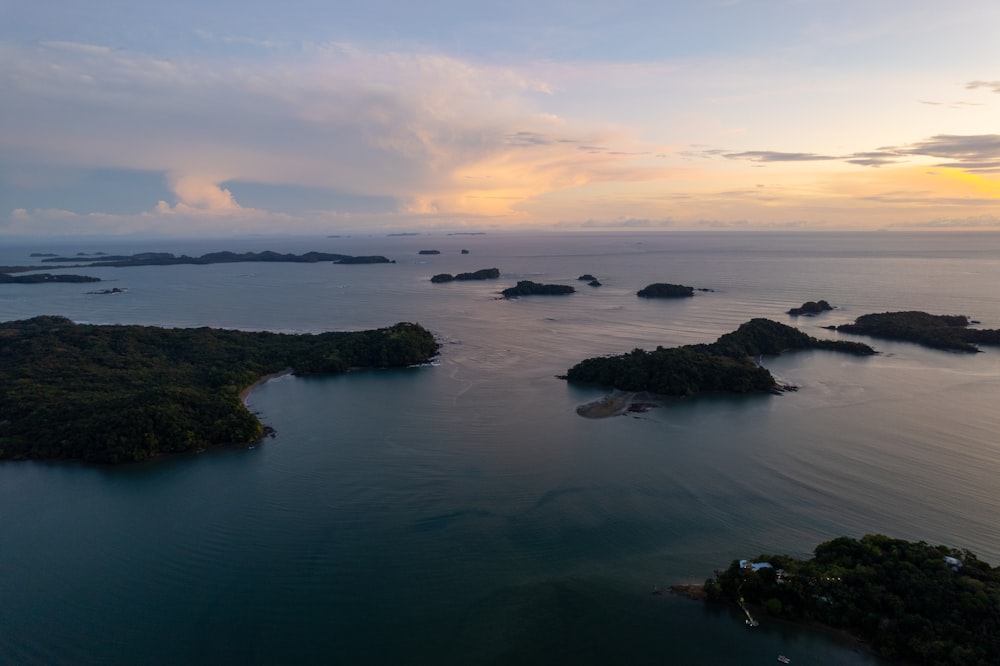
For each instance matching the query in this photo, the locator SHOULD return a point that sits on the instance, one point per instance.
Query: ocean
(462, 512)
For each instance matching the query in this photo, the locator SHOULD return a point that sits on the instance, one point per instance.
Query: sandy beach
(274, 375)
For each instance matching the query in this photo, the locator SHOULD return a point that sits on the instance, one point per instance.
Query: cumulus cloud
(418, 128)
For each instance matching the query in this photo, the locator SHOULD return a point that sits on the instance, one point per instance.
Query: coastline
(612, 404)
(245, 393)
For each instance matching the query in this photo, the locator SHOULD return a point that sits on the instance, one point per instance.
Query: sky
(127, 117)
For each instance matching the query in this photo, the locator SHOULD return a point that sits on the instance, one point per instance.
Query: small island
(810, 308)
(529, 288)
(44, 278)
(113, 394)
(948, 332)
(429, 252)
(912, 602)
(168, 259)
(665, 290)
(482, 274)
(586, 277)
(726, 365)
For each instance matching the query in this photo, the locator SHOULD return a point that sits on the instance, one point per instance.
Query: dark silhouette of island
(948, 332)
(112, 394)
(911, 601)
(586, 277)
(811, 308)
(114, 290)
(429, 252)
(168, 259)
(665, 290)
(726, 365)
(594, 283)
(44, 278)
(465, 252)
(43, 254)
(482, 274)
(529, 288)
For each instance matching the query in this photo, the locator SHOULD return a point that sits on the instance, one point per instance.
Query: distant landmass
(482, 274)
(429, 252)
(112, 394)
(529, 288)
(168, 259)
(950, 332)
(726, 365)
(44, 278)
(810, 308)
(911, 601)
(665, 290)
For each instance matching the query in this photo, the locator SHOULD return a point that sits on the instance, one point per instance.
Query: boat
(783, 659)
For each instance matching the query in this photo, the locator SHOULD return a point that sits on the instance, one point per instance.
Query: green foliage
(119, 393)
(904, 597)
(810, 308)
(665, 290)
(937, 331)
(43, 278)
(725, 365)
(529, 288)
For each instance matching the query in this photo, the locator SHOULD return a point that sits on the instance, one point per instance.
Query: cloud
(777, 156)
(436, 134)
(993, 86)
(978, 152)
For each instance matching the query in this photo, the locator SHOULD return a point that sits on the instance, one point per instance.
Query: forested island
(482, 274)
(950, 332)
(665, 290)
(112, 394)
(724, 365)
(44, 278)
(168, 259)
(529, 288)
(810, 308)
(911, 601)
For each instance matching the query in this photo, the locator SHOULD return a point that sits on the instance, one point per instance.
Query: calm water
(463, 513)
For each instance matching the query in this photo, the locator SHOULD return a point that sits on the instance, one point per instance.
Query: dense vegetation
(529, 288)
(42, 278)
(725, 365)
(811, 308)
(905, 598)
(482, 274)
(665, 290)
(121, 393)
(938, 331)
(168, 259)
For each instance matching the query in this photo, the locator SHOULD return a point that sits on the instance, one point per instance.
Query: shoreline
(245, 393)
(612, 404)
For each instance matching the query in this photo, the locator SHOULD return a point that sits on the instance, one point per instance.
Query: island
(168, 259)
(726, 365)
(529, 288)
(113, 394)
(482, 274)
(665, 290)
(44, 278)
(429, 252)
(465, 252)
(911, 601)
(949, 332)
(586, 277)
(810, 308)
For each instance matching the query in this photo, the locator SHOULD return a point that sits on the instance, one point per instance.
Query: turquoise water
(463, 512)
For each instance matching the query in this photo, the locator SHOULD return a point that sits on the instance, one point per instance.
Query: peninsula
(112, 394)
(950, 332)
(725, 365)
(914, 602)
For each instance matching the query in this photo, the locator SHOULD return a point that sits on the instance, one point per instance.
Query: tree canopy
(725, 365)
(913, 601)
(122, 393)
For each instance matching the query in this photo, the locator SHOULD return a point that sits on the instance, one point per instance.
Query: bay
(463, 512)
